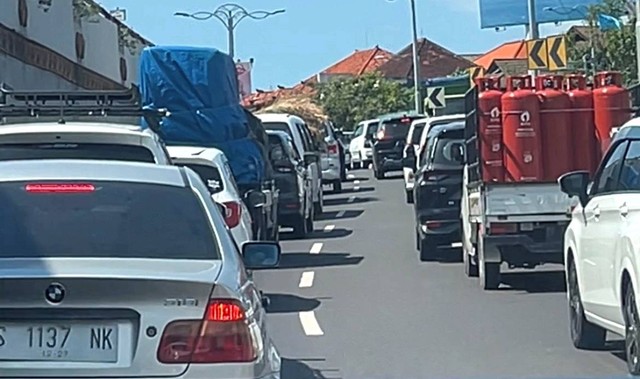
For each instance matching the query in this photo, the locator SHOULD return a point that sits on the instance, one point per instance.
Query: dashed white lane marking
(350, 176)
(351, 199)
(356, 182)
(329, 228)
(456, 244)
(316, 248)
(306, 280)
(340, 214)
(356, 185)
(310, 324)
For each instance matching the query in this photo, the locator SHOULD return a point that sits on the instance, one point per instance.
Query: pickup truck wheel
(428, 249)
(409, 196)
(337, 186)
(300, 229)
(488, 272)
(584, 334)
(632, 331)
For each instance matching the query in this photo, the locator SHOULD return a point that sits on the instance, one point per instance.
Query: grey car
(122, 269)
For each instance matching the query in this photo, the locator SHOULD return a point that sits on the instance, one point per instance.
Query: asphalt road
(354, 301)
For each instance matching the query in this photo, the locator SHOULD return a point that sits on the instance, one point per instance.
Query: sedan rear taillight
(232, 214)
(223, 336)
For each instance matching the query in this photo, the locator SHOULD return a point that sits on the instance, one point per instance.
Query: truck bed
(518, 202)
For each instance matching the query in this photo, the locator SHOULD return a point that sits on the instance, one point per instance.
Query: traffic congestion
(177, 225)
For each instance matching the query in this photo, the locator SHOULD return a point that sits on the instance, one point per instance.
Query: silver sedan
(116, 269)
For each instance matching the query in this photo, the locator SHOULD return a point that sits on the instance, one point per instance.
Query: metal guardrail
(68, 104)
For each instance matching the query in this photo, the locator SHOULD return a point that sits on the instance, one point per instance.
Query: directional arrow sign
(435, 98)
(557, 47)
(537, 53)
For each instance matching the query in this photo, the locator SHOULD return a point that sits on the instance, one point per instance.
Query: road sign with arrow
(557, 47)
(537, 54)
(435, 98)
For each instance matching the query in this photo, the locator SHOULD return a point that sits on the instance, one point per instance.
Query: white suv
(602, 248)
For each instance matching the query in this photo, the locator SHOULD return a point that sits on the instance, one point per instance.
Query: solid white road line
(340, 214)
(329, 228)
(310, 324)
(351, 199)
(306, 280)
(316, 248)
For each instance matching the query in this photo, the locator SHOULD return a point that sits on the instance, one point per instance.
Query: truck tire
(428, 249)
(488, 272)
(409, 196)
(379, 174)
(309, 221)
(470, 269)
(337, 186)
(584, 334)
(300, 229)
(318, 206)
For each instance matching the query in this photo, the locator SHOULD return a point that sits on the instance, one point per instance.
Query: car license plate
(58, 341)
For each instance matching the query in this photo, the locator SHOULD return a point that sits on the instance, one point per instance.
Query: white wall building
(66, 44)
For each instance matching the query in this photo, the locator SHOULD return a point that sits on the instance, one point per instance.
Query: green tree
(350, 100)
(612, 49)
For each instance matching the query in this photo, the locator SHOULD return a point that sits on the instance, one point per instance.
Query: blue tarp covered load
(199, 87)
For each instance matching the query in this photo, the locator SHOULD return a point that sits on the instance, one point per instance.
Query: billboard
(497, 13)
(243, 71)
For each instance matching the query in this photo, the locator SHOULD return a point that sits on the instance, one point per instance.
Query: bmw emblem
(54, 293)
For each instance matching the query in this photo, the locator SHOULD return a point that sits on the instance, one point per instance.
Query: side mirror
(575, 184)
(257, 255)
(257, 199)
(409, 162)
(310, 158)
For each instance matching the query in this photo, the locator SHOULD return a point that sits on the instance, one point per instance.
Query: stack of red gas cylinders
(536, 131)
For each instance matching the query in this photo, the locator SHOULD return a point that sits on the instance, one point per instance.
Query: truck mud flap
(490, 250)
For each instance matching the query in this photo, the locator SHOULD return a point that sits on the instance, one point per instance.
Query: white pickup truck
(521, 224)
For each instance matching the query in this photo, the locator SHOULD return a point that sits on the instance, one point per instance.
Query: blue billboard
(496, 13)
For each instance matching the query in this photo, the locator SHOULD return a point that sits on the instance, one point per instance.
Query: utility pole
(416, 60)
(533, 32)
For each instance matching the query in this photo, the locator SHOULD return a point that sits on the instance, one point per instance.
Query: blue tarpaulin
(199, 87)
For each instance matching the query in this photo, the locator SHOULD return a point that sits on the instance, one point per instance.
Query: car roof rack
(61, 104)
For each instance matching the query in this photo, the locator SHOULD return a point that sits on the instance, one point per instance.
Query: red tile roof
(358, 63)
(261, 99)
(509, 50)
(435, 61)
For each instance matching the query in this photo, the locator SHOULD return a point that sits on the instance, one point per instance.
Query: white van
(299, 132)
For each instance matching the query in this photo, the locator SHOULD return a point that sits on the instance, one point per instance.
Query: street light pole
(533, 27)
(416, 60)
(230, 15)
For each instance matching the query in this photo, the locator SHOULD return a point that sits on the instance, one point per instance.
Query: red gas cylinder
(555, 127)
(521, 131)
(612, 106)
(586, 153)
(490, 129)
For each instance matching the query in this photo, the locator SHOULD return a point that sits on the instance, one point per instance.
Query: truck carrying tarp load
(199, 87)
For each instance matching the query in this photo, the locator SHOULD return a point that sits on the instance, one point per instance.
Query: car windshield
(104, 219)
(448, 148)
(210, 175)
(280, 126)
(76, 151)
(396, 129)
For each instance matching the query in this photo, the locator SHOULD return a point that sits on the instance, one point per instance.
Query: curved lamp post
(230, 15)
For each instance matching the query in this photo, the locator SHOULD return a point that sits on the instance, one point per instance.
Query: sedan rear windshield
(103, 220)
(281, 126)
(97, 151)
(210, 175)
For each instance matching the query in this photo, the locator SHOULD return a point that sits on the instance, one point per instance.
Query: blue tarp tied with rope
(199, 87)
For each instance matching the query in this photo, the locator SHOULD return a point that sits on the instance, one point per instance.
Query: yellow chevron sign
(474, 73)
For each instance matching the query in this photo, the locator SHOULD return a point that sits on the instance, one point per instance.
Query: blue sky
(313, 34)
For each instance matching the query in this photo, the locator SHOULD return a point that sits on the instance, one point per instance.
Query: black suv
(293, 180)
(438, 188)
(389, 141)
